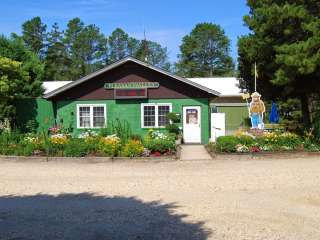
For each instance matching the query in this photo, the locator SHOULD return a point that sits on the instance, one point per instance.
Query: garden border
(170, 158)
(262, 155)
(86, 159)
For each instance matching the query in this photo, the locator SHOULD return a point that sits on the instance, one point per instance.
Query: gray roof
(119, 63)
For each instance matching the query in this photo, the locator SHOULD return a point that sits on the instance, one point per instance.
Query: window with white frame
(91, 116)
(155, 115)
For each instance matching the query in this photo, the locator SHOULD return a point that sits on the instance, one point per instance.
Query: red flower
(254, 149)
(156, 154)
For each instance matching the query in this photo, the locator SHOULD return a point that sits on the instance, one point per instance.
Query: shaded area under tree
(88, 216)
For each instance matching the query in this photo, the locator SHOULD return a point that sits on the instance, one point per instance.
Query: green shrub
(172, 126)
(227, 143)
(246, 140)
(290, 141)
(174, 117)
(133, 148)
(136, 137)
(10, 143)
(160, 142)
(281, 141)
(31, 126)
(103, 132)
(311, 147)
(76, 148)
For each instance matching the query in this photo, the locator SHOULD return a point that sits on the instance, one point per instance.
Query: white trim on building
(91, 115)
(156, 115)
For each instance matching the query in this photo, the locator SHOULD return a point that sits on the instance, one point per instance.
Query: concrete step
(194, 152)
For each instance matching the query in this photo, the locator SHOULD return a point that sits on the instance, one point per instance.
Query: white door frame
(192, 132)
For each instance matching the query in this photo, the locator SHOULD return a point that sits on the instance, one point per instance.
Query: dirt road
(256, 199)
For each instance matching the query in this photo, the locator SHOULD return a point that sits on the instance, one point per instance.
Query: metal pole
(255, 76)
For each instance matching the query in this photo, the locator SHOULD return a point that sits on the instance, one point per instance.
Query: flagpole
(255, 76)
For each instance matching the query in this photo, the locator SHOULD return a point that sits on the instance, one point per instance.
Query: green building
(128, 90)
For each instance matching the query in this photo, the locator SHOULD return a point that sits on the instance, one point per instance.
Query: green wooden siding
(37, 109)
(130, 110)
(235, 117)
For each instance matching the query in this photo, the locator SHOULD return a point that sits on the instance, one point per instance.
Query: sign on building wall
(130, 93)
(132, 85)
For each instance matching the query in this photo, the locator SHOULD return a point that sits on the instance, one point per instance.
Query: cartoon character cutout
(256, 111)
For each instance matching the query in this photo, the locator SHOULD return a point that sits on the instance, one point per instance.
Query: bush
(227, 143)
(76, 148)
(103, 132)
(281, 141)
(110, 146)
(172, 126)
(136, 137)
(160, 142)
(246, 140)
(31, 126)
(174, 117)
(290, 140)
(133, 148)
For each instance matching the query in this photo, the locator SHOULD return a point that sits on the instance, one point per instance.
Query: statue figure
(256, 111)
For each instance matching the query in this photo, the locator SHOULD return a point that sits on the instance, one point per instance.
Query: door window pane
(192, 116)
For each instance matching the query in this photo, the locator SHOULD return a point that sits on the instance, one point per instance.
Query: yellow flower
(59, 139)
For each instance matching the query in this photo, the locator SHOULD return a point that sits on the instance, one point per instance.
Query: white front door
(218, 125)
(192, 124)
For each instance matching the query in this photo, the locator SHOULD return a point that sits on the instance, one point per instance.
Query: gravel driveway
(219, 199)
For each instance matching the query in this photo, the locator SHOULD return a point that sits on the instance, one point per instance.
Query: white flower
(87, 134)
(242, 148)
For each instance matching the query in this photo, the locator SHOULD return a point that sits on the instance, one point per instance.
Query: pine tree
(205, 52)
(119, 45)
(154, 54)
(285, 43)
(56, 57)
(34, 35)
(87, 48)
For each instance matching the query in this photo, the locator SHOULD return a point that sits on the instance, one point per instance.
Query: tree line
(40, 54)
(285, 43)
(81, 49)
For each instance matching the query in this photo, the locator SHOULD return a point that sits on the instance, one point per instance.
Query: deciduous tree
(20, 75)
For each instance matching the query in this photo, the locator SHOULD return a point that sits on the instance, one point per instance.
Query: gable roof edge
(119, 63)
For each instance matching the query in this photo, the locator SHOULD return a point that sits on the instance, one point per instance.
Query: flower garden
(276, 141)
(114, 142)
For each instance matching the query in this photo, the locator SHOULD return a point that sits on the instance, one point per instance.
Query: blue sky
(165, 21)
